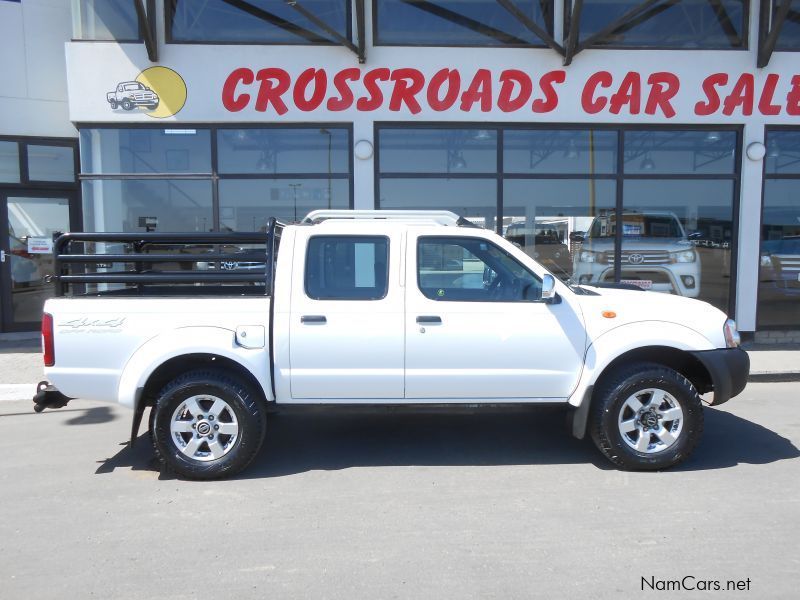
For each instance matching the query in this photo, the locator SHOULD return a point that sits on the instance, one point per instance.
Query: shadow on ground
(93, 416)
(297, 443)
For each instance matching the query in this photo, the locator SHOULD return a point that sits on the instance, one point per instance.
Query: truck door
(477, 328)
(346, 331)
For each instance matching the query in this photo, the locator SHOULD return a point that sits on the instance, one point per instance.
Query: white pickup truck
(371, 308)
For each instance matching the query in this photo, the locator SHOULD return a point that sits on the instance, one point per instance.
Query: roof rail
(441, 217)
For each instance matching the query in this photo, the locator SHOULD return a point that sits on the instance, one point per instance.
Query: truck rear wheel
(208, 424)
(646, 417)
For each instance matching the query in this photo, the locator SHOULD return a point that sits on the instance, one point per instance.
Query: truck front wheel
(127, 104)
(646, 417)
(208, 424)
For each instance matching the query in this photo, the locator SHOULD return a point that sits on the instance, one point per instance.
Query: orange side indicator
(609, 314)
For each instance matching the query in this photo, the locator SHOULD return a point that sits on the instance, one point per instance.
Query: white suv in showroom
(656, 253)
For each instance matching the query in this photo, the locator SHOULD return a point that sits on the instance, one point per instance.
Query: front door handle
(313, 319)
(2, 256)
(429, 319)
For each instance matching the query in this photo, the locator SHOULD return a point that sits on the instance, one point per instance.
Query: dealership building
(649, 142)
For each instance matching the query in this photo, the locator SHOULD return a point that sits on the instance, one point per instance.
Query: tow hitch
(47, 396)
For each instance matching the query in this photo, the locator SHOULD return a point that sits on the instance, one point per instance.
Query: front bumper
(729, 369)
(669, 279)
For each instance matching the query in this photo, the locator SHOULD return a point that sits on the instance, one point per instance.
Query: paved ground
(390, 506)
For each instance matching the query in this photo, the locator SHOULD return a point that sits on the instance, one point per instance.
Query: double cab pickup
(372, 308)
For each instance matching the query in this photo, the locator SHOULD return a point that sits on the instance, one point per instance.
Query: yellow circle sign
(169, 86)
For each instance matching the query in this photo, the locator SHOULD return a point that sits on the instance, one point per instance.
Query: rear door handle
(313, 319)
(429, 319)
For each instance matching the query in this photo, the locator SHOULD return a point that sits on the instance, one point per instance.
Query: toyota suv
(656, 253)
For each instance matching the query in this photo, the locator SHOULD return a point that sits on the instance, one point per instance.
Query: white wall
(33, 97)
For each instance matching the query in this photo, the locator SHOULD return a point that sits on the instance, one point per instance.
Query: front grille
(648, 257)
(787, 262)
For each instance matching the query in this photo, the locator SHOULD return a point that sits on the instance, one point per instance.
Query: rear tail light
(48, 346)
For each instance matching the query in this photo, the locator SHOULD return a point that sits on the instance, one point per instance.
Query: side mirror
(548, 288)
(695, 235)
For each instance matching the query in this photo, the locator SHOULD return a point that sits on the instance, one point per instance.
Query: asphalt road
(399, 506)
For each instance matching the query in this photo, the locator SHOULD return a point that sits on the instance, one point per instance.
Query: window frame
(169, 15)
(24, 175)
(346, 236)
(422, 238)
(214, 175)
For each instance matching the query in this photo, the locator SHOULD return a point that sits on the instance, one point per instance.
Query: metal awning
(770, 28)
(634, 16)
(358, 50)
(147, 25)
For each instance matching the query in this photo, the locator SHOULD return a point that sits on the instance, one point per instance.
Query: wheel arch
(177, 365)
(680, 360)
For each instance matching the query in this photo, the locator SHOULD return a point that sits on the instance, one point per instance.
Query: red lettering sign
(410, 90)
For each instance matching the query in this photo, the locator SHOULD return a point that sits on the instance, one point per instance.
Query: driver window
(472, 269)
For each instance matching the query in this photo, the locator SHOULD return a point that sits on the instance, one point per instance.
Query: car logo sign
(230, 265)
(635, 259)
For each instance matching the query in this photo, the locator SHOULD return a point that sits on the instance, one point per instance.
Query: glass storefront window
(142, 150)
(544, 151)
(257, 173)
(779, 276)
(458, 23)
(549, 219)
(783, 153)
(660, 217)
(265, 151)
(105, 20)
(451, 151)
(257, 21)
(678, 152)
(473, 199)
(677, 237)
(131, 205)
(247, 204)
(665, 24)
(51, 163)
(9, 162)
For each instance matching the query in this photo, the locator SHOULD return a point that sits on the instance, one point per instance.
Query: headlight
(685, 256)
(732, 337)
(588, 257)
(766, 260)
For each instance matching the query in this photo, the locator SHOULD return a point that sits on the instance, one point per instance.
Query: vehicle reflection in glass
(657, 253)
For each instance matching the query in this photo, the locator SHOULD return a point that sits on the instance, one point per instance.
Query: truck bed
(114, 331)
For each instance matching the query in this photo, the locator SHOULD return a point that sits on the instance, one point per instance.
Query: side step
(47, 396)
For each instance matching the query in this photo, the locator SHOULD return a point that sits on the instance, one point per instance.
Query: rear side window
(353, 267)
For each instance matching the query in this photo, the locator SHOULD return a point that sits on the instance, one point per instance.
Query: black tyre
(113, 104)
(127, 104)
(208, 424)
(646, 417)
